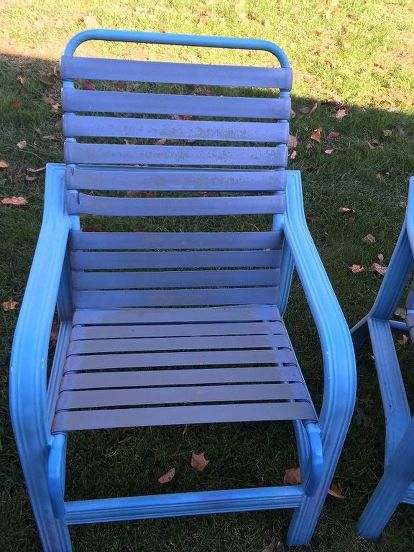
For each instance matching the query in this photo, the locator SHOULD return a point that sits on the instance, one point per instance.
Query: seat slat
(220, 131)
(177, 73)
(179, 415)
(197, 358)
(127, 154)
(174, 297)
(175, 395)
(175, 316)
(182, 206)
(179, 279)
(149, 378)
(106, 260)
(98, 101)
(201, 180)
(175, 240)
(90, 346)
(175, 330)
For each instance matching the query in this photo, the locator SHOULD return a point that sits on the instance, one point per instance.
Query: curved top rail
(177, 40)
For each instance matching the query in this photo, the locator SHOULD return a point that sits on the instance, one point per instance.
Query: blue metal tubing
(28, 372)
(398, 326)
(177, 40)
(182, 504)
(337, 351)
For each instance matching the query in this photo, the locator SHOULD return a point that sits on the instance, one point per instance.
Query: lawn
(355, 56)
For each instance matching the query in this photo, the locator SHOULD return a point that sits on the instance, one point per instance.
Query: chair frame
(396, 485)
(32, 401)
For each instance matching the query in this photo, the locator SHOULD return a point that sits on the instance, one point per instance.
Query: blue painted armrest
(337, 349)
(28, 371)
(410, 213)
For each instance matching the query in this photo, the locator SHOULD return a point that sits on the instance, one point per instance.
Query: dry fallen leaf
(29, 178)
(52, 103)
(3, 164)
(21, 80)
(293, 155)
(328, 151)
(376, 267)
(336, 490)
(39, 170)
(9, 305)
(88, 85)
(292, 141)
(167, 477)
(51, 137)
(308, 110)
(332, 135)
(403, 339)
(387, 132)
(161, 142)
(369, 239)
(314, 218)
(201, 91)
(374, 144)
(16, 201)
(317, 134)
(379, 176)
(199, 461)
(344, 210)
(355, 268)
(341, 113)
(400, 312)
(380, 257)
(292, 476)
(22, 144)
(274, 547)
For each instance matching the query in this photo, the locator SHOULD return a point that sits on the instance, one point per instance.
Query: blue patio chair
(174, 328)
(397, 482)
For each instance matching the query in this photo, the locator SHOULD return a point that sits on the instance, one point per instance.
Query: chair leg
(391, 489)
(54, 533)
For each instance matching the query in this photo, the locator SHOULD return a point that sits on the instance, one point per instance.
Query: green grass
(360, 52)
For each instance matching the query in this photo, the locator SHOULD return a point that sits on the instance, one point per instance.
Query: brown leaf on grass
(293, 155)
(167, 477)
(182, 117)
(201, 91)
(21, 80)
(403, 340)
(345, 210)
(3, 164)
(90, 22)
(328, 151)
(51, 137)
(274, 547)
(376, 267)
(401, 313)
(22, 144)
(341, 113)
(16, 201)
(88, 85)
(379, 176)
(292, 476)
(292, 114)
(374, 144)
(308, 110)
(387, 132)
(332, 135)
(313, 219)
(336, 491)
(369, 239)
(54, 331)
(9, 305)
(356, 268)
(292, 141)
(317, 134)
(160, 142)
(380, 257)
(199, 461)
(45, 82)
(52, 103)
(29, 178)
(15, 104)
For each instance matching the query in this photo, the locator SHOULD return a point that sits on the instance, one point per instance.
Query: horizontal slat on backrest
(183, 206)
(174, 279)
(175, 297)
(174, 240)
(89, 260)
(126, 154)
(83, 178)
(221, 131)
(97, 101)
(179, 73)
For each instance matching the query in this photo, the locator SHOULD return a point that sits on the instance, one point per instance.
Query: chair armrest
(410, 213)
(28, 367)
(336, 344)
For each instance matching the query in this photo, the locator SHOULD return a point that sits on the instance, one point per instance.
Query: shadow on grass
(366, 172)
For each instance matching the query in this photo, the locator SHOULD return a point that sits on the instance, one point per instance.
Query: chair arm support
(410, 213)
(28, 368)
(337, 349)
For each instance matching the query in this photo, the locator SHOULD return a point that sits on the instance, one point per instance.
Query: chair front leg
(391, 489)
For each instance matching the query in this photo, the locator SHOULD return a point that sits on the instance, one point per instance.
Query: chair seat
(154, 367)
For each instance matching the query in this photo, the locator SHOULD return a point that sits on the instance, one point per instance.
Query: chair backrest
(154, 137)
